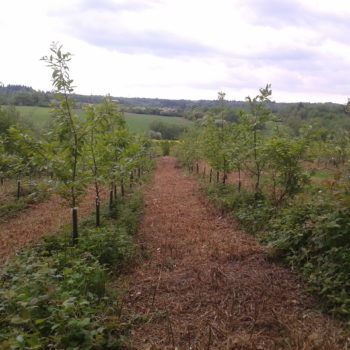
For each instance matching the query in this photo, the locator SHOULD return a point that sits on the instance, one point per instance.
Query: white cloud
(183, 49)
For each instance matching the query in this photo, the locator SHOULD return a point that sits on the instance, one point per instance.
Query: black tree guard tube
(97, 212)
(75, 225)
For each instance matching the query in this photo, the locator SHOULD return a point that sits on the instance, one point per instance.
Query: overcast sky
(183, 48)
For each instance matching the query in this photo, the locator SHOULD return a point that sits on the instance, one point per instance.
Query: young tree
(284, 166)
(253, 125)
(102, 125)
(68, 135)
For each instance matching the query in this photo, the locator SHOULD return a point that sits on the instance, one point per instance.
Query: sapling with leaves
(236, 151)
(67, 137)
(31, 150)
(284, 166)
(253, 126)
(141, 155)
(102, 125)
(10, 164)
(94, 148)
(216, 145)
(190, 147)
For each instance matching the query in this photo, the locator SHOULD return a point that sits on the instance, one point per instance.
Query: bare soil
(206, 285)
(39, 219)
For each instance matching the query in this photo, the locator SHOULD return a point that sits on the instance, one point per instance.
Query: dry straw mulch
(208, 286)
(39, 219)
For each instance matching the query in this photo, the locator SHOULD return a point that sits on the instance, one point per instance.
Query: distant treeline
(323, 115)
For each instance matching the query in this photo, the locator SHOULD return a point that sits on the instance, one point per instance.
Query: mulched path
(39, 219)
(206, 285)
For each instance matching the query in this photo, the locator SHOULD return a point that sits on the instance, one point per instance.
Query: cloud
(163, 44)
(115, 6)
(293, 13)
(175, 47)
(276, 13)
(126, 27)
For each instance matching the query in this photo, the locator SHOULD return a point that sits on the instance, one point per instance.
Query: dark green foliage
(314, 237)
(252, 213)
(311, 233)
(56, 296)
(109, 248)
(20, 95)
(127, 211)
(168, 131)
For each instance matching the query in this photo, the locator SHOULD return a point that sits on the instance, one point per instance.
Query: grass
(141, 122)
(40, 117)
(321, 175)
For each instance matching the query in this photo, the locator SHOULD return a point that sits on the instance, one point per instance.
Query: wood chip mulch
(206, 285)
(39, 219)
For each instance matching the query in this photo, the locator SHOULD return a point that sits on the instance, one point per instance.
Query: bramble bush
(313, 236)
(56, 296)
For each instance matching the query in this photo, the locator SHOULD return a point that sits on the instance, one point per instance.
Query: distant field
(141, 122)
(40, 116)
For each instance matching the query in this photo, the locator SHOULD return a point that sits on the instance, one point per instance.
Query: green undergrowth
(252, 213)
(310, 232)
(31, 192)
(56, 296)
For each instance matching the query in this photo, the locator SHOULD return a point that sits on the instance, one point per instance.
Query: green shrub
(311, 233)
(252, 213)
(314, 237)
(107, 247)
(165, 145)
(55, 296)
